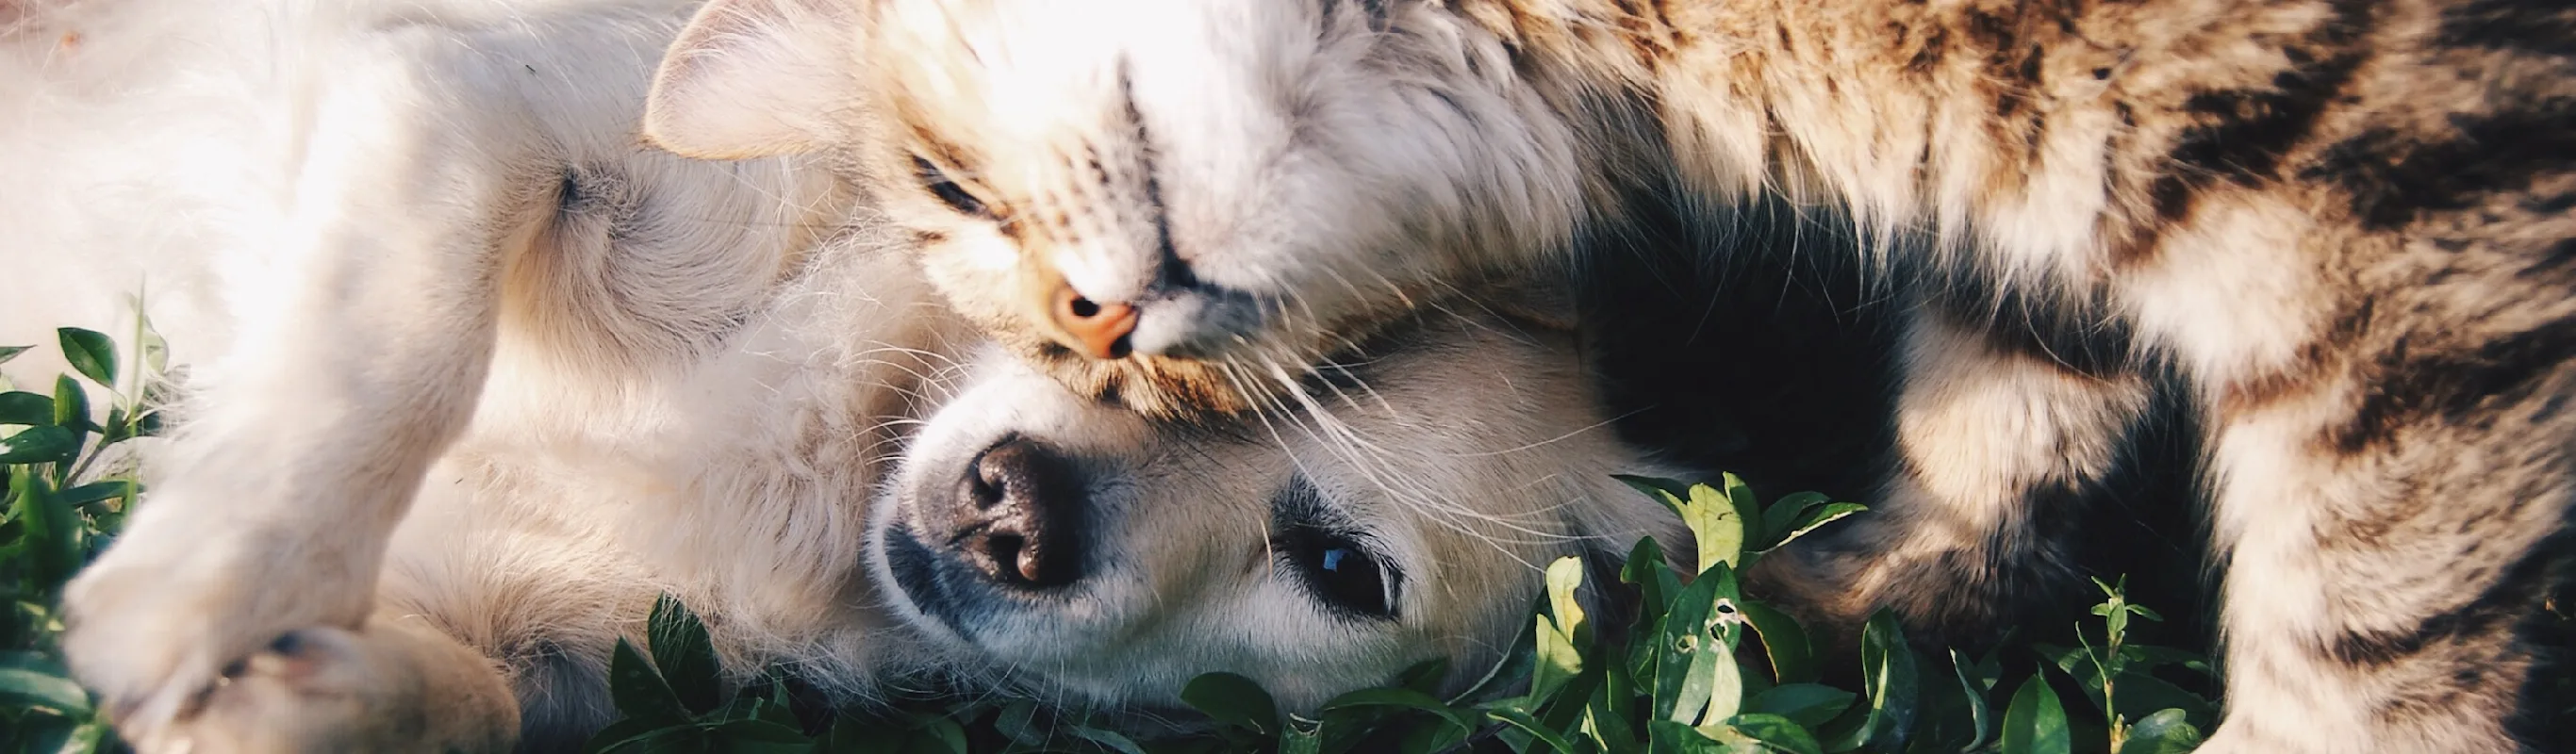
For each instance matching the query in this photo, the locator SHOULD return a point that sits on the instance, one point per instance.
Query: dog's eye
(1341, 572)
(939, 185)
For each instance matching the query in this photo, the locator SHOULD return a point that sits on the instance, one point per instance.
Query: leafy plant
(1699, 669)
(2118, 678)
(60, 510)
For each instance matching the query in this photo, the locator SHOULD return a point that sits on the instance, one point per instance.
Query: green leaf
(1716, 525)
(1696, 672)
(2165, 732)
(620, 733)
(1606, 718)
(1018, 722)
(1425, 738)
(1113, 741)
(1678, 738)
(1302, 737)
(155, 350)
(96, 492)
(71, 405)
(1656, 584)
(2147, 657)
(1975, 679)
(28, 679)
(2036, 723)
(1558, 661)
(667, 740)
(47, 444)
(1784, 642)
(49, 530)
(1400, 698)
(11, 352)
(854, 734)
(1516, 664)
(1529, 725)
(1806, 704)
(1564, 577)
(1655, 487)
(1711, 516)
(950, 735)
(1818, 518)
(1784, 512)
(758, 737)
(1424, 676)
(1770, 733)
(639, 691)
(2141, 695)
(30, 409)
(2139, 692)
(91, 353)
(1234, 700)
(1889, 682)
(1740, 497)
(117, 429)
(683, 654)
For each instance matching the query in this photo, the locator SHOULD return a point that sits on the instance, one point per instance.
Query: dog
(471, 376)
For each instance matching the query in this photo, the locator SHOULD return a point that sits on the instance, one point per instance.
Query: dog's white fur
(472, 376)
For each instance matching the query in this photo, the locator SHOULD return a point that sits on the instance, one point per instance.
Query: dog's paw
(390, 688)
(153, 623)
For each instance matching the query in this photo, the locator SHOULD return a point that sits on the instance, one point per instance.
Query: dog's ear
(754, 78)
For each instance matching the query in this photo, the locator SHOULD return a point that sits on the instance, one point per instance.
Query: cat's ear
(754, 78)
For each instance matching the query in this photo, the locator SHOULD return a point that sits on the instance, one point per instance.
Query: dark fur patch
(2394, 176)
(1174, 269)
(2075, 332)
(2546, 27)
(2455, 382)
(2241, 135)
(2498, 608)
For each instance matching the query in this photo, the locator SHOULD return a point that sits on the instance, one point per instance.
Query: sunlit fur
(1466, 454)
(470, 376)
(2343, 223)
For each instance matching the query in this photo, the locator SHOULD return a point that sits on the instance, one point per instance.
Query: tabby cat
(2344, 223)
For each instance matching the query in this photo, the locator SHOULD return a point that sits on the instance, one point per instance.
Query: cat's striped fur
(2345, 223)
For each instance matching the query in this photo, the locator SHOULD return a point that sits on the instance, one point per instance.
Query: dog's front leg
(397, 685)
(273, 510)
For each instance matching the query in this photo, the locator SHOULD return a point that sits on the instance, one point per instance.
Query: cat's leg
(1999, 442)
(2394, 512)
(361, 360)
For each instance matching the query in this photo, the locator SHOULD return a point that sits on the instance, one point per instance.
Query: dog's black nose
(1018, 514)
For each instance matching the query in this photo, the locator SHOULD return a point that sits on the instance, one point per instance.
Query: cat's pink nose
(1092, 328)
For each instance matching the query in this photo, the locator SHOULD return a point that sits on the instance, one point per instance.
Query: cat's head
(1176, 205)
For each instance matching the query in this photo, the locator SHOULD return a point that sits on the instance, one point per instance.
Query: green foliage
(55, 516)
(1699, 668)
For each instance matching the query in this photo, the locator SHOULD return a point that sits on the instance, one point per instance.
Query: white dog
(474, 376)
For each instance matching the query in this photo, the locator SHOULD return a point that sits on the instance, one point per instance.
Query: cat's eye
(946, 189)
(1340, 571)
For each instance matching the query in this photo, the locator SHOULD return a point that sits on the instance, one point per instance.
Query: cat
(2343, 224)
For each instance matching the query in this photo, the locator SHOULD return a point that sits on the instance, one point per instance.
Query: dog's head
(1403, 510)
